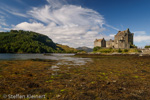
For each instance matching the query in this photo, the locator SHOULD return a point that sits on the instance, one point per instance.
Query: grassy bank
(113, 50)
(105, 78)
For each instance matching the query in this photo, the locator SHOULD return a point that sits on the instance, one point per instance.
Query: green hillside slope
(27, 42)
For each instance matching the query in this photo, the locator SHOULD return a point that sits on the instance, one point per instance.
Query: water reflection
(64, 59)
(67, 59)
(54, 68)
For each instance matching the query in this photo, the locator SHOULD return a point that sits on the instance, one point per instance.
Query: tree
(133, 46)
(19, 41)
(96, 48)
(147, 46)
(119, 50)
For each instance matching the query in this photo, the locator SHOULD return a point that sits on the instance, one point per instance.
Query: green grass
(111, 50)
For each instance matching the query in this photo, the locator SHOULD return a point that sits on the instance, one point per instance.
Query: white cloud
(3, 25)
(73, 36)
(21, 2)
(112, 27)
(139, 32)
(142, 38)
(69, 15)
(2, 21)
(12, 10)
(2, 13)
(66, 24)
(30, 26)
(112, 35)
(57, 3)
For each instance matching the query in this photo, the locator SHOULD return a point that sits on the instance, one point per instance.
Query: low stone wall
(146, 51)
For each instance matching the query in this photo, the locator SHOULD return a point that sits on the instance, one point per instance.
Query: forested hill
(27, 42)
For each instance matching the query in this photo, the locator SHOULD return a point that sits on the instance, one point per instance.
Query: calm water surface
(63, 59)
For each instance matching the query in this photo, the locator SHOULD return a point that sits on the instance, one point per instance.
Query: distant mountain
(28, 42)
(85, 49)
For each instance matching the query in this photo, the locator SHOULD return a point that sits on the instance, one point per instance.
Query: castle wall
(130, 38)
(110, 44)
(97, 44)
(123, 39)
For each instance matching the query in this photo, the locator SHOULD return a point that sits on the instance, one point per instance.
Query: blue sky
(78, 22)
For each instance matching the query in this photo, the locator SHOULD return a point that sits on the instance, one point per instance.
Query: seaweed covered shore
(104, 78)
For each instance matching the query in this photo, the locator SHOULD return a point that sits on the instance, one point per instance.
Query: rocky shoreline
(115, 54)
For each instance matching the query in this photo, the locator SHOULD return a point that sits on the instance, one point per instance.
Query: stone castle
(123, 40)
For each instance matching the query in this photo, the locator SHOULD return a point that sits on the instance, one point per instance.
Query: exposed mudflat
(103, 78)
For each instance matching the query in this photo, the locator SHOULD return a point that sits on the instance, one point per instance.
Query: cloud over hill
(65, 23)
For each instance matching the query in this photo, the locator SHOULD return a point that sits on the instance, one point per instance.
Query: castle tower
(123, 39)
(100, 43)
